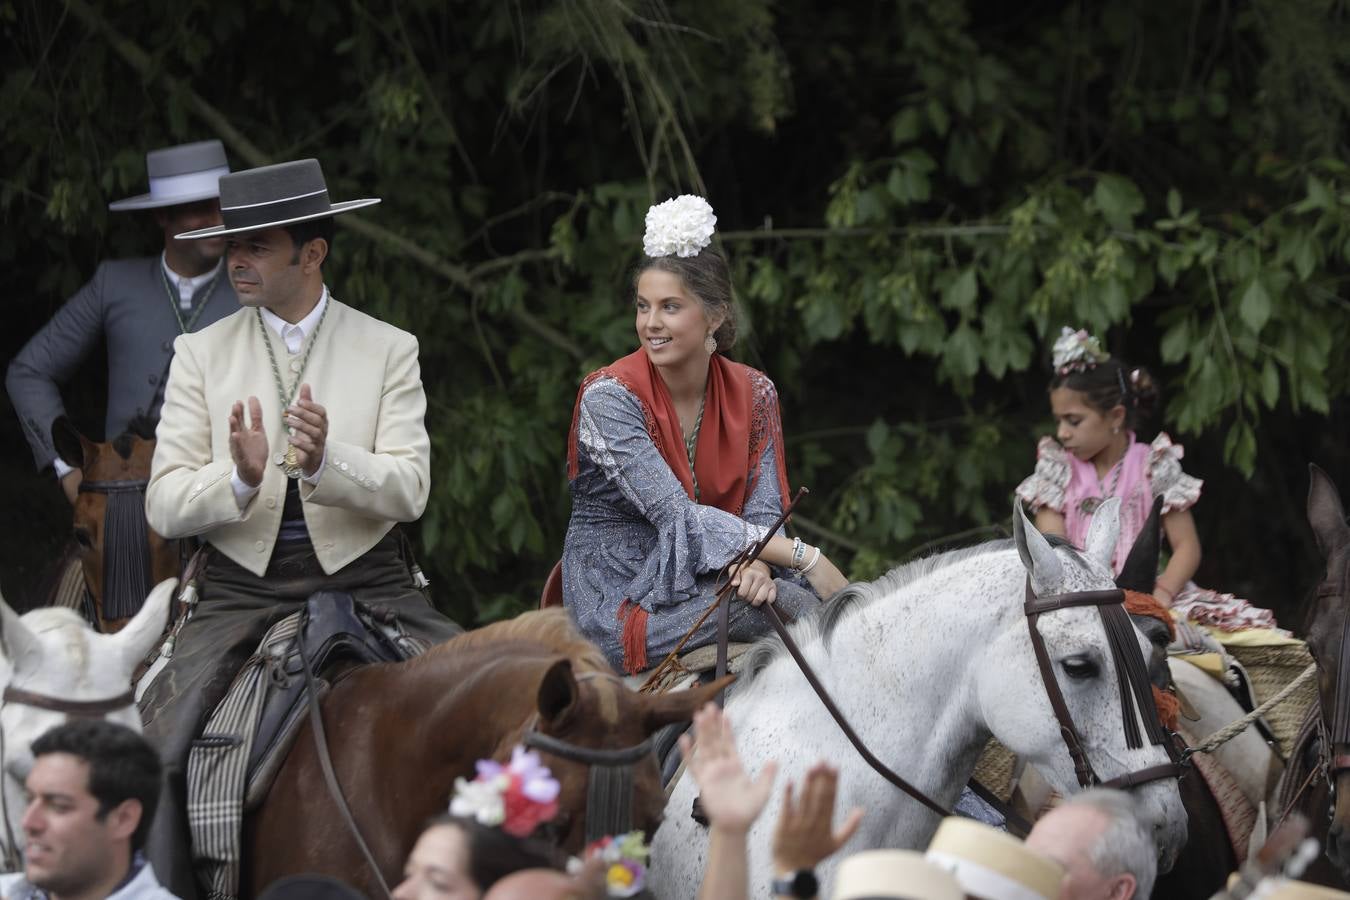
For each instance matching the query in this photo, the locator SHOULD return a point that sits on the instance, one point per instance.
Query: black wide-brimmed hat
(272, 196)
(182, 174)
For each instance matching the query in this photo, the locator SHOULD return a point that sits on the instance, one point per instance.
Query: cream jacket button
(271, 502)
(277, 459)
(343, 466)
(259, 546)
(197, 486)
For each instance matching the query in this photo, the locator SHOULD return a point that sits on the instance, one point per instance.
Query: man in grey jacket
(138, 305)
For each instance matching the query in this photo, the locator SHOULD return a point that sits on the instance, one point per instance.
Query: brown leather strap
(1338, 763)
(89, 709)
(1072, 740)
(1035, 605)
(868, 756)
(1145, 776)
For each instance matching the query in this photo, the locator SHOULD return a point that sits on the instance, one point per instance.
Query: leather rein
(1131, 673)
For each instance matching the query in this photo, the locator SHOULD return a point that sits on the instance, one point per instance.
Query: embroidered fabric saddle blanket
(232, 765)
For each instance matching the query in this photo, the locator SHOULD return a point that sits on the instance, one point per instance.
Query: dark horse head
(1329, 640)
(122, 557)
(1139, 574)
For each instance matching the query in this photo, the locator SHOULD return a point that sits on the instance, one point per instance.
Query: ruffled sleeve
(1045, 486)
(1165, 477)
(690, 538)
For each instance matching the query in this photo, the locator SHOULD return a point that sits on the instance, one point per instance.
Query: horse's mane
(552, 628)
(823, 622)
(142, 427)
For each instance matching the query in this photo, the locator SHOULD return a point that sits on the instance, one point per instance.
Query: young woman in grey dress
(675, 461)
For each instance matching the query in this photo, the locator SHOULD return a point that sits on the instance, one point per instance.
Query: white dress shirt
(187, 286)
(293, 335)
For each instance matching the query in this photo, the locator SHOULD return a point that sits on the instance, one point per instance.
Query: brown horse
(120, 555)
(400, 733)
(1323, 786)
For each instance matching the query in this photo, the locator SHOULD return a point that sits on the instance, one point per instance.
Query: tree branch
(251, 153)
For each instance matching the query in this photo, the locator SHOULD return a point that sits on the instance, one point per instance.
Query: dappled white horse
(51, 653)
(927, 663)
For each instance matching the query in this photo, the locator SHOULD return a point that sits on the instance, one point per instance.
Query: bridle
(126, 560)
(85, 709)
(609, 781)
(1337, 732)
(1132, 679)
(1131, 674)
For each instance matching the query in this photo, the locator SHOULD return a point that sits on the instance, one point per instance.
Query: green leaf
(1270, 384)
(905, 126)
(963, 351)
(1118, 199)
(876, 437)
(937, 117)
(1174, 203)
(960, 293)
(1254, 305)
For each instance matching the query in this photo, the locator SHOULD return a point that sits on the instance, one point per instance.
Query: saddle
(231, 767)
(335, 639)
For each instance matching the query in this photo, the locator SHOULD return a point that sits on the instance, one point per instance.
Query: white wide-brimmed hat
(993, 864)
(273, 196)
(1287, 889)
(892, 875)
(182, 174)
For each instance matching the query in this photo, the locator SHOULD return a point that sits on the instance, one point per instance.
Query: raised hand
(805, 833)
(730, 798)
(248, 443)
(310, 421)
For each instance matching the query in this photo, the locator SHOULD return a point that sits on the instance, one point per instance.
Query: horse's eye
(1079, 668)
(83, 538)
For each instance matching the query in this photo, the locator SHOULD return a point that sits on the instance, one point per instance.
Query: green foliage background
(915, 195)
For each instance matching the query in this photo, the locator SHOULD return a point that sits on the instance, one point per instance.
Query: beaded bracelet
(812, 564)
(798, 553)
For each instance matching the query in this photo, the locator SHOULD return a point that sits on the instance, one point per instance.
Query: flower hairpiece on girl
(679, 227)
(625, 857)
(517, 796)
(1076, 351)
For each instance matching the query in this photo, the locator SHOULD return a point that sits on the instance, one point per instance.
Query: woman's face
(671, 325)
(1083, 430)
(438, 868)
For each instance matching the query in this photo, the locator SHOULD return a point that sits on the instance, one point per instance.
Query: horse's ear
(1326, 515)
(75, 450)
(1103, 532)
(20, 645)
(1043, 567)
(133, 643)
(557, 697)
(679, 706)
(1141, 566)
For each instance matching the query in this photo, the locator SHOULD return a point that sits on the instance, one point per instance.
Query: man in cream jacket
(292, 442)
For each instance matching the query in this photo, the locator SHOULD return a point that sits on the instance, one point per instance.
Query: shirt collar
(191, 283)
(306, 325)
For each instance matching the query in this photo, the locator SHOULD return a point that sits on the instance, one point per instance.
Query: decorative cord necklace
(1089, 505)
(691, 443)
(290, 460)
(174, 296)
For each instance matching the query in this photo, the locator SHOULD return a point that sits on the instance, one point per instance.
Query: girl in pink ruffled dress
(1098, 402)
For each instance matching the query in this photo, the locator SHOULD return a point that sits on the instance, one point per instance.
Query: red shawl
(740, 418)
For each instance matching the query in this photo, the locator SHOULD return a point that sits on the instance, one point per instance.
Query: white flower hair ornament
(1076, 351)
(515, 797)
(679, 227)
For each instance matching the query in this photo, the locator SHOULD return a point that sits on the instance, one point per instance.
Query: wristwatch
(801, 884)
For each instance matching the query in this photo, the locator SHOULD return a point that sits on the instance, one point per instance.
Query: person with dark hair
(1099, 402)
(136, 306)
(92, 793)
(675, 464)
(456, 858)
(290, 496)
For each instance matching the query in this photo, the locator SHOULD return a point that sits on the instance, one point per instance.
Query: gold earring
(710, 343)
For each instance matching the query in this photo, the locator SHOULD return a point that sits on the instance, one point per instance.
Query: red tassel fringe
(634, 619)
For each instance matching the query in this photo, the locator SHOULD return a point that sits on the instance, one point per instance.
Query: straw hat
(991, 864)
(892, 875)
